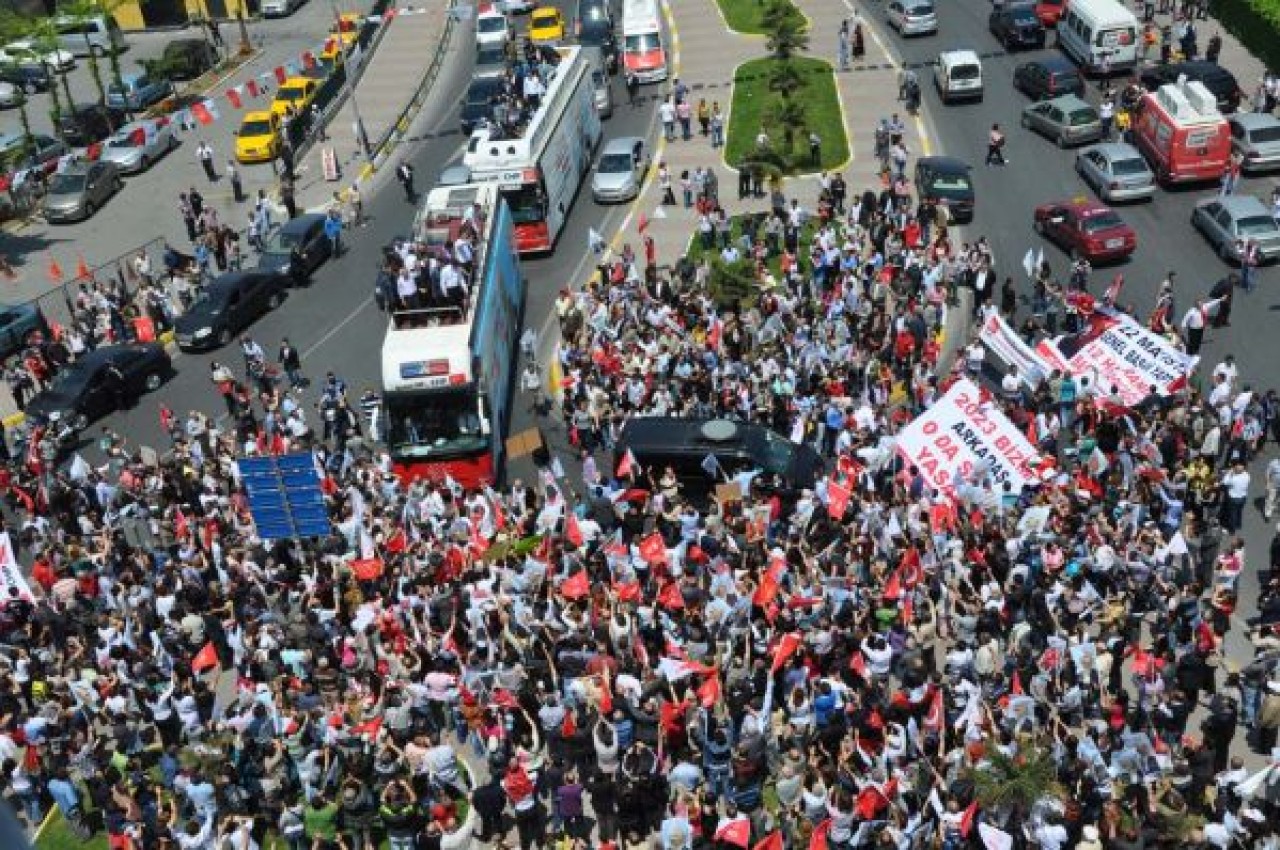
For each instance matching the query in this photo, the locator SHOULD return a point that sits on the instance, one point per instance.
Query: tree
(784, 78)
(83, 10)
(785, 30)
(1015, 784)
(732, 283)
(791, 116)
(44, 39)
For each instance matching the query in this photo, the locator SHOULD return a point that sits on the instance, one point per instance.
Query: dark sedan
(84, 391)
(21, 326)
(946, 180)
(1017, 28)
(87, 123)
(227, 306)
(477, 105)
(300, 238)
(29, 78)
(1052, 76)
(1217, 79)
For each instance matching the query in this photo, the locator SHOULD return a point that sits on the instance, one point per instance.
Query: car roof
(545, 12)
(301, 223)
(1068, 101)
(485, 83)
(231, 280)
(1243, 205)
(296, 81)
(1083, 206)
(78, 167)
(1055, 64)
(1198, 66)
(1254, 120)
(945, 164)
(622, 144)
(258, 115)
(1115, 150)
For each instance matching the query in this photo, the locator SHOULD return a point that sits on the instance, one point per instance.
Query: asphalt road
(334, 322)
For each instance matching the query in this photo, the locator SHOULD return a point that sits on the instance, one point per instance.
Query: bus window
(527, 204)
(434, 425)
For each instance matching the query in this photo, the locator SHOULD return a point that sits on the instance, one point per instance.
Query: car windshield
(283, 241)
(292, 93)
(594, 31)
(615, 163)
(491, 56)
(436, 424)
(966, 72)
(1128, 167)
(1265, 134)
(1024, 17)
(1256, 225)
(1077, 117)
(919, 11)
(643, 43)
(67, 184)
(255, 128)
(1064, 79)
(951, 185)
(526, 205)
(492, 24)
(1102, 221)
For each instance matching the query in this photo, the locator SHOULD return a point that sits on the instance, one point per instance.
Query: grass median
(744, 16)
(812, 106)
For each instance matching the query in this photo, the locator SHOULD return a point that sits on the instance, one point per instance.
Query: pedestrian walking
(717, 126)
(355, 201)
(843, 46)
(684, 113)
(404, 173)
(633, 89)
(664, 184)
(204, 153)
(704, 117)
(291, 362)
(815, 149)
(188, 215)
(253, 230)
(333, 232)
(286, 197)
(237, 188)
(995, 146)
(667, 114)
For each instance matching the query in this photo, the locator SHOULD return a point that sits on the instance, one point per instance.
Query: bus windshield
(445, 423)
(643, 43)
(526, 204)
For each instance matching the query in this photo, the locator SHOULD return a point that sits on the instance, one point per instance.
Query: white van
(491, 26)
(958, 75)
(83, 36)
(1100, 35)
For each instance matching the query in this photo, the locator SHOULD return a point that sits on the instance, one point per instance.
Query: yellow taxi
(258, 139)
(296, 92)
(546, 26)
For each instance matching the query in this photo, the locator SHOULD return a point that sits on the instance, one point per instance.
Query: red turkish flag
(893, 587)
(935, 716)
(818, 840)
(626, 464)
(670, 597)
(910, 567)
(1015, 687)
(369, 727)
(204, 659)
(366, 569)
(576, 586)
(772, 841)
(233, 97)
(709, 695)
(1051, 659)
(572, 530)
(872, 799)
(767, 591)
(202, 113)
(517, 783)
(858, 664)
(629, 592)
(967, 819)
(281, 74)
(837, 499)
(908, 611)
(654, 549)
(787, 646)
(503, 698)
(736, 832)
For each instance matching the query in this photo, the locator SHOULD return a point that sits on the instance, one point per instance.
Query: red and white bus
(539, 171)
(644, 52)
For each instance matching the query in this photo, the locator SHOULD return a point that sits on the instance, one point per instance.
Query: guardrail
(382, 149)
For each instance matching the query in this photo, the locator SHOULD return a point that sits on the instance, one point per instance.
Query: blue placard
(285, 496)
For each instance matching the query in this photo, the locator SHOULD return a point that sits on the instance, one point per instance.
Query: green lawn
(56, 836)
(751, 100)
(744, 15)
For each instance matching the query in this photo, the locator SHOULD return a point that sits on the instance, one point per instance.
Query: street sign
(285, 497)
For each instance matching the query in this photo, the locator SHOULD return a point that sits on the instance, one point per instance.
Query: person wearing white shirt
(1236, 483)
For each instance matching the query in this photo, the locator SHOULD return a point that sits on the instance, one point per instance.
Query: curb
(16, 420)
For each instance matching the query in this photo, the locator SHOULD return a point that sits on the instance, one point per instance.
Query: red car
(1086, 229)
(1049, 11)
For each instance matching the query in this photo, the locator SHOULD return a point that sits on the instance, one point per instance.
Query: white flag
(595, 242)
(1178, 545)
(1029, 263)
(659, 213)
(994, 839)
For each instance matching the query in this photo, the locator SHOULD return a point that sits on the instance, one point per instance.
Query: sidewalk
(383, 91)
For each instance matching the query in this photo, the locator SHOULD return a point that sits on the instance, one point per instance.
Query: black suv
(86, 123)
(1217, 79)
(1017, 28)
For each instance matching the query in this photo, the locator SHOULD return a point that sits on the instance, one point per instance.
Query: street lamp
(361, 138)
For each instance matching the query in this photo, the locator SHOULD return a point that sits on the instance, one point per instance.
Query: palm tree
(786, 30)
(44, 39)
(784, 78)
(83, 10)
(791, 116)
(732, 283)
(1014, 784)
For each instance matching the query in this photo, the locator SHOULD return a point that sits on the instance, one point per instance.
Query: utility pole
(362, 139)
(245, 48)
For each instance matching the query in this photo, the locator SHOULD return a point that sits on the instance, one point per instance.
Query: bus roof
(1188, 103)
(487, 155)
(639, 15)
(431, 348)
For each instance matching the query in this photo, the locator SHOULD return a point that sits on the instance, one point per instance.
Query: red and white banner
(1115, 351)
(963, 438)
(11, 572)
(1004, 342)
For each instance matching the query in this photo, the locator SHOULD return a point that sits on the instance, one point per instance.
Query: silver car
(912, 17)
(136, 146)
(620, 170)
(1067, 120)
(1227, 221)
(279, 8)
(1116, 171)
(1256, 136)
(78, 191)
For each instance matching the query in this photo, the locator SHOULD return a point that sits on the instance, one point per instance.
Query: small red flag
(629, 592)
(670, 597)
(818, 840)
(967, 819)
(572, 530)
(366, 569)
(369, 727)
(1015, 687)
(503, 698)
(654, 549)
(772, 841)
(936, 715)
(82, 268)
(576, 586)
(202, 113)
(204, 659)
(736, 832)
(569, 727)
(626, 464)
(893, 587)
(766, 592)
(55, 270)
(858, 664)
(233, 97)
(709, 695)
(787, 646)
(281, 74)
(643, 224)
(837, 499)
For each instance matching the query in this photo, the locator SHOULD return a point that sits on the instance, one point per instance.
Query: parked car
(138, 90)
(30, 78)
(491, 61)
(228, 305)
(11, 95)
(546, 25)
(1050, 11)
(137, 145)
(80, 189)
(296, 93)
(86, 123)
(946, 180)
(912, 17)
(83, 392)
(184, 59)
(21, 326)
(477, 103)
(1217, 79)
(280, 8)
(1227, 221)
(1256, 137)
(515, 7)
(1116, 171)
(1067, 120)
(258, 139)
(1086, 229)
(26, 53)
(1049, 77)
(44, 153)
(620, 170)
(305, 234)
(492, 26)
(1017, 28)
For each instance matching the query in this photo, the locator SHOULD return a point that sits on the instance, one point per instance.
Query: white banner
(11, 571)
(964, 438)
(1115, 351)
(1005, 343)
